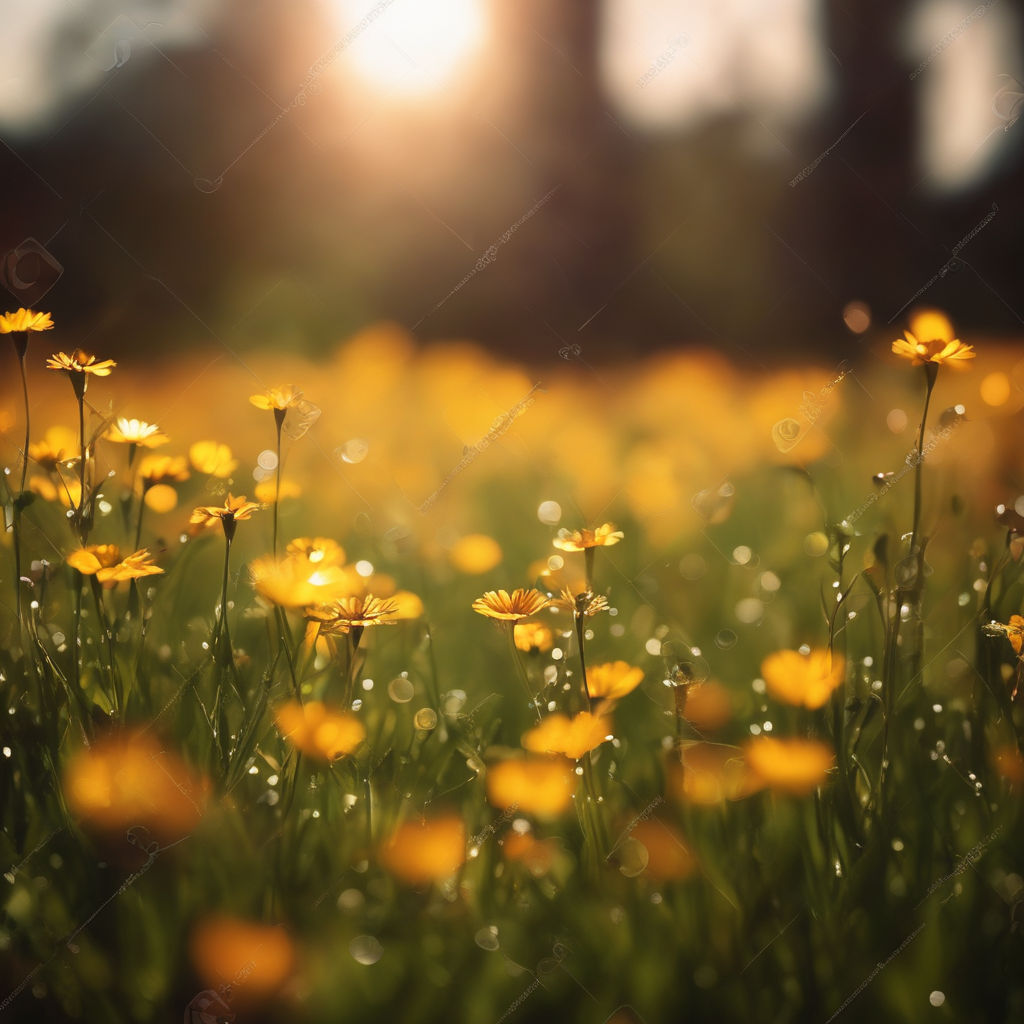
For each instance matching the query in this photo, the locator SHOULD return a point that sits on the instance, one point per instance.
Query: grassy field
(741, 741)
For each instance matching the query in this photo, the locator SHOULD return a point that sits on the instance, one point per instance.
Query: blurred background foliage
(238, 173)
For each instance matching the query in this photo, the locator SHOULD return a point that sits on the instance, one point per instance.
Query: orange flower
(25, 320)
(794, 766)
(574, 737)
(418, 853)
(705, 773)
(532, 637)
(266, 490)
(930, 340)
(582, 602)
(579, 540)
(613, 680)
(805, 680)
(655, 849)
(318, 551)
(120, 782)
(138, 432)
(512, 607)
(536, 855)
(91, 559)
(1009, 763)
(707, 706)
(58, 445)
(80, 362)
(317, 731)
(253, 960)
(540, 786)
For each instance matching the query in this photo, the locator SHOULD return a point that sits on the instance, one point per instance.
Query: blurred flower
(666, 857)
(212, 458)
(532, 637)
(1009, 763)
(104, 562)
(232, 511)
(574, 737)
(161, 498)
(317, 731)
(930, 340)
(707, 705)
(806, 680)
(512, 607)
(580, 540)
(58, 445)
(407, 604)
(25, 320)
(613, 679)
(280, 398)
(138, 432)
(475, 553)
(252, 959)
(294, 582)
(541, 786)
(536, 855)
(130, 780)
(420, 852)
(794, 766)
(266, 490)
(705, 773)
(319, 551)
(162, 469)
(349, 613)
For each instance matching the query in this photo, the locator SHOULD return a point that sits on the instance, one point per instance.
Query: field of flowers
(416, 684)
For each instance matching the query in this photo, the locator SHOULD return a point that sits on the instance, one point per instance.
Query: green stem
(279, 422)
(521, 669)
(580, 642)
(21, 488)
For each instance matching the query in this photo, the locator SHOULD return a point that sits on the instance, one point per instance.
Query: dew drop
(365, 950)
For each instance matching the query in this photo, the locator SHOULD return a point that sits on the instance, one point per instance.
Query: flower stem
(21, 489)
(279, 422)
(580, 642)
(510, 632)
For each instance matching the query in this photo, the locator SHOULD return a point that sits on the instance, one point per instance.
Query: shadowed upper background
(769, 178)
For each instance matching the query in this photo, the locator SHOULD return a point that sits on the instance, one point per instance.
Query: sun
(408, 47)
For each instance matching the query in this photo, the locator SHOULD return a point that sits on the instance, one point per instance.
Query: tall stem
(21, 488)
(931, 372)
(80, 394)
(580, 642)
(279, 415)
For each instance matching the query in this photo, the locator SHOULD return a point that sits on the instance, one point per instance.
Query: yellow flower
(706, 774)
(930, 340)
(162, 469)
(317, 731)
(512, 607)
(579, 540)
(806, 680)
(318, 551)
(249, 959)
(266, 490)
(418, 853)
(25, 320)
(294, 582)
(541, 786)
(582, 602)
(537, 855)
(279, 399)
(58, 444)
(475, 553)
(139, 432)
(104, 562)
(574, 737)
(233, 510)
(89, 560)
(347, 613)
(122, 782)
(1013, 631)
(80, 362)
(794, 766)
(706, 706)
(532, 637)
(613, 680)
(212, 458)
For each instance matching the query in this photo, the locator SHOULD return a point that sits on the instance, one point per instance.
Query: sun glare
(410, 48)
